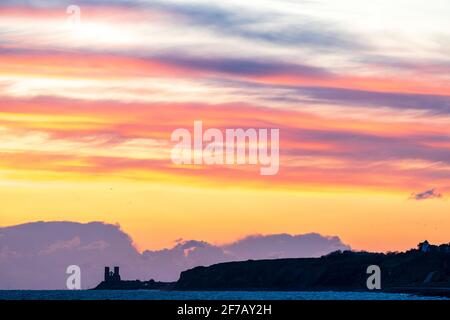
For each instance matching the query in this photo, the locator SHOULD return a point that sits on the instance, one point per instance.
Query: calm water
(200, 295)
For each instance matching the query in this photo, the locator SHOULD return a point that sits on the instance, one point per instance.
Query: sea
(201, 295)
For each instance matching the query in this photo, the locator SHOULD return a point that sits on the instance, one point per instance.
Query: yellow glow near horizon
(157, 214)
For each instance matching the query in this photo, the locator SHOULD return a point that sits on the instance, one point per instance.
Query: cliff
(337, 271)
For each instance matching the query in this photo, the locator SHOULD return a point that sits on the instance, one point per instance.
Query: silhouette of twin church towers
(111, 276)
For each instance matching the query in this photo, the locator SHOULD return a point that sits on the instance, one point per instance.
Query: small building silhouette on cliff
(426, 247)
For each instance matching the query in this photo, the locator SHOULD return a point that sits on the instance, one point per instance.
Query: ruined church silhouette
(112, 276)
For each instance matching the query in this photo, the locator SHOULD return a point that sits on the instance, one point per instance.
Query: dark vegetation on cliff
(336, 271)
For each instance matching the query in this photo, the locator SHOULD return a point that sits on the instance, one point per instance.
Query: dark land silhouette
(425, 270)
(112, 281)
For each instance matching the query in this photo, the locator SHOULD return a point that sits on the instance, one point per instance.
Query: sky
(360, 92)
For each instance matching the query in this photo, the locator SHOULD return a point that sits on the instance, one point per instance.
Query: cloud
(262, 25)
(277, 27)
(62, 245)
(65, 3)
(280, 246)
(243, 66)
(36, 255)
(433, 104)
(404, 152)
(426, 195)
